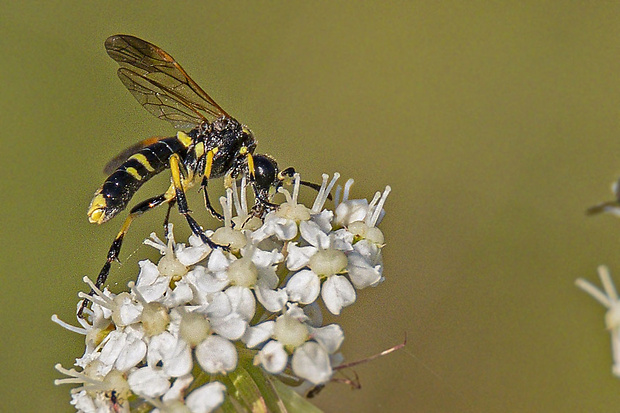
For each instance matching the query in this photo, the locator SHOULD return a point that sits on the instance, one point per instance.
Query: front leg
(212, 211)
(262, 205)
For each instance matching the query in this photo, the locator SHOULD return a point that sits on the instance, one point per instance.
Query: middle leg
(175, 168)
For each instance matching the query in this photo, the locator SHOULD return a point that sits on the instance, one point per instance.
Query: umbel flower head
(202, 327)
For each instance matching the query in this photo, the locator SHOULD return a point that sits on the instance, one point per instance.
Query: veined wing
(160, 84)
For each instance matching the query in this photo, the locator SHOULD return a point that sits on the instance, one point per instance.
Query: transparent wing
(160, 84)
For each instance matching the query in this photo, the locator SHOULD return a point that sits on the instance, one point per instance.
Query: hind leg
(115, 248)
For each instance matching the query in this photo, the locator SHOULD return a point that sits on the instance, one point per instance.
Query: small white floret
(216, 355)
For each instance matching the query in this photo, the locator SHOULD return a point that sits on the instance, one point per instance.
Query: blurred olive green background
(496, 125)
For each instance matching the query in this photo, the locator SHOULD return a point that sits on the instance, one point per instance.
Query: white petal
(242, 301)
(216, 355)
(217, 261)
(311, 362)
(113, 345)
(148, 273)
(179, 362)
(272, 300)
(159, 346)
(258, 334)
(83, 402)
(330, 337)
(351, 211)
(369, 250)
(156, 290)
(192, 255)
(207, 398)
(231, 327)
(220, 306)
(205, 282)
(182, 294)
(303, 287)
(132, 353)
(174, 353)
(342, 240)
(324, 220)
(273, 357)
(196, 241)
(127, 310)
(231, 310)
(178, 388)
(361, 273)
(148, 382)
(262, 233)
(337, 292)
(285, 229)
(298, 257)
(311, 232)
(262, 258)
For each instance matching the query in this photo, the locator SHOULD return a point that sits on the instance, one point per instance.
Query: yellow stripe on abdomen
(134, 172)
(143, 161)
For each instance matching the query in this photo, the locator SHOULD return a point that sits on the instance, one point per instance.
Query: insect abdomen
(118, 189)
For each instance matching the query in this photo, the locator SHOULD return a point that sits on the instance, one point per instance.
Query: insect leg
(167, 219)
(214, 213)
(115, 248)
(261, 202)
(175, 168)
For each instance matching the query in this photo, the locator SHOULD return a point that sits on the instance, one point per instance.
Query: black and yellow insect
(216, 146)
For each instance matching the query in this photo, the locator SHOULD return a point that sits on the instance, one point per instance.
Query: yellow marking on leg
(251, 165)
(178, 181)
(209, 165)
(170, 193)
(184, 138)
(133, 172)
(143, 161)
(125, 226)
(176, 171)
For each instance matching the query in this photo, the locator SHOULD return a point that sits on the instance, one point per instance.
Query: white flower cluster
(609, 299)
(188, 322)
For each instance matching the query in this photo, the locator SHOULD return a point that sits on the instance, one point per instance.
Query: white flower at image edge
(609, 299)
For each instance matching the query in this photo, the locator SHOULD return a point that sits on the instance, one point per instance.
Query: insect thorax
(226, 137)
